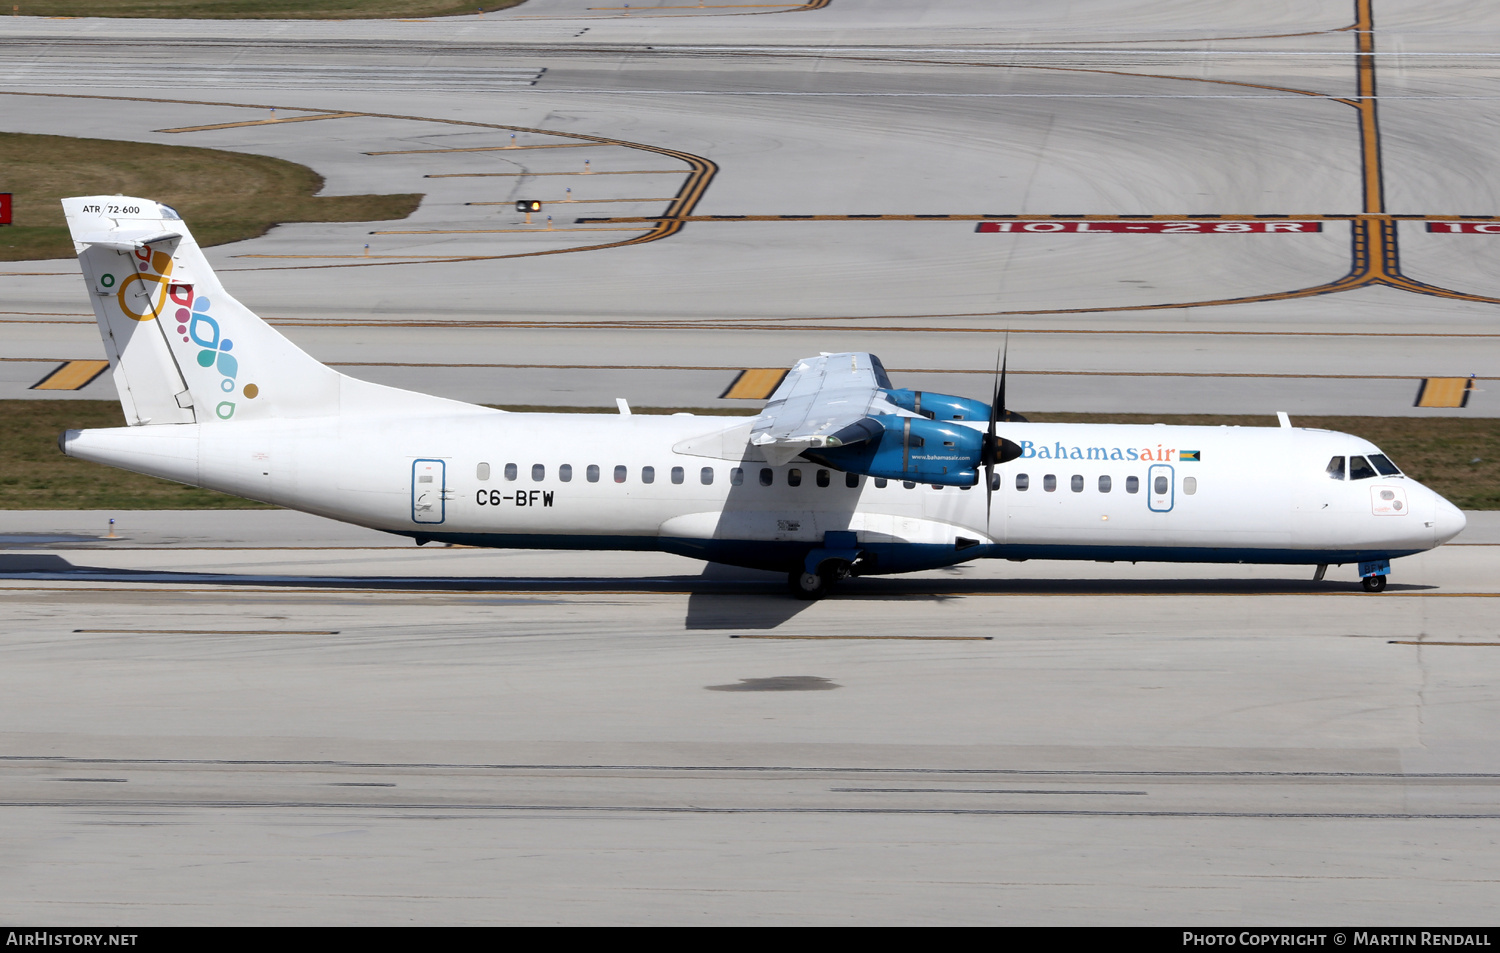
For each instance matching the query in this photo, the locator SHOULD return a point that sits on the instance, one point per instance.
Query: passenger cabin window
(1023, 482)
(538, 472)
(482, 471)
(677, 474)
(1159, 486)
(995, 481)
(706, 476)
(648, 474)
(592, 473)
(1384, 464)
(1360, 469)
(1190, 485)
(1105, 484)
(909, 484)
(794, 477)
(620, 474)
(880, 483)
(1132, 484)
(511, 471)
(1077, 483)
(736, 476)
(766, 476)
(823, 478)
(851, 480)
(1049, 483)
(1336, 468)
(565, 473)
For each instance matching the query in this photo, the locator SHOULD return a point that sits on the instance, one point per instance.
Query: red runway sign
(4, 208)
(1465, 228)
(1152, 228)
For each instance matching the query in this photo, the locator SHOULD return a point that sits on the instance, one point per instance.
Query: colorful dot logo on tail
(198, 326)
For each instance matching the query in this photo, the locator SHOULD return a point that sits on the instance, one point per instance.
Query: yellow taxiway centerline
(261, 122)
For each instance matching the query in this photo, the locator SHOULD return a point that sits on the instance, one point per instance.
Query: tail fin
(183, 350)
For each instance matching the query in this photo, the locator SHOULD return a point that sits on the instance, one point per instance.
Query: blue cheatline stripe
(907, 557)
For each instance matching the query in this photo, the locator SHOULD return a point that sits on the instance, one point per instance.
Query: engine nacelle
(939, 406)
(907, 448)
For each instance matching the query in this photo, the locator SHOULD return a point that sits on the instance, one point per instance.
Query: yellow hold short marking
(755, 383)
(72, 375)
(1444, 392)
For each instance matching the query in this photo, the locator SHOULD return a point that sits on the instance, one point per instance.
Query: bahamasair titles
(841, 473)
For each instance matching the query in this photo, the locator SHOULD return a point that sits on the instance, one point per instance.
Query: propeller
(996, 448)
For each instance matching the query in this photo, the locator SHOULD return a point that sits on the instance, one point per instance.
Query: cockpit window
(1384, 465)
(1336, 468)
(1360, 469)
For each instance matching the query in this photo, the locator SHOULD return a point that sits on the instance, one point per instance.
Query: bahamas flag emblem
(1187, 456)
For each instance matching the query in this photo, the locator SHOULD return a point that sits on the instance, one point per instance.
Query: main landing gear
(808, 585)
(816, 585)
(1373, 583)
(837, 558)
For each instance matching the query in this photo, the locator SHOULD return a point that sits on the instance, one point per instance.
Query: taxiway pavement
(265, 717)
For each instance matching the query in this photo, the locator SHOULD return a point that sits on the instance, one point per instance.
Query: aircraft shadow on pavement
(713, 606)
(719, 597)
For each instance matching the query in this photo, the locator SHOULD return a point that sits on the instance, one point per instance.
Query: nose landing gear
(1372, 574)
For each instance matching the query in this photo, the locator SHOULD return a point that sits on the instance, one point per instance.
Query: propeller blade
(996, 448)
(999, 410)
(991, 448)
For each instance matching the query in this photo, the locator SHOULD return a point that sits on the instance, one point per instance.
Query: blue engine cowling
(906, 448)
(939, 406)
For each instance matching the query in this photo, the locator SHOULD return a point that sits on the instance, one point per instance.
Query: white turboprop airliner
(840, 474)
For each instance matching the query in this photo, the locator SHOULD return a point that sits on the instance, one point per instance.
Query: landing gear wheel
(1373, 583)
(808, 585)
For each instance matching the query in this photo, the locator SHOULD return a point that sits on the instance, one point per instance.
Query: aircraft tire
(1373, 583)
(808, 585)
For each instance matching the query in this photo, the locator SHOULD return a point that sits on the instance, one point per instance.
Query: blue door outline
(431, 507)
(1161, 469)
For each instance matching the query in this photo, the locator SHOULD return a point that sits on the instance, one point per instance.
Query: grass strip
(256, 9)
(1456, 456)
(223, 196)
(34, 475)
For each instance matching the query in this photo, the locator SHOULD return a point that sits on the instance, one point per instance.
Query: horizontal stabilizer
(124, 239)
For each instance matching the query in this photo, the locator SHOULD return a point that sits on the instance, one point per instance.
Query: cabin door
(1160, 488)
(428, 491)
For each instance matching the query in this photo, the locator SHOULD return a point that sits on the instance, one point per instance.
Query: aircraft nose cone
(1447, 522)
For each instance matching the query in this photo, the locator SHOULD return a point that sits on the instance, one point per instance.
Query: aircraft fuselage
(1079, 491)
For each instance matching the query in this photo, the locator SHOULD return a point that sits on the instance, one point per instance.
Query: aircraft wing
(823, 401)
